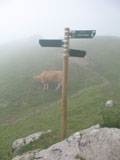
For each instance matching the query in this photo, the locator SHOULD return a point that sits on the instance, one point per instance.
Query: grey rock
(109, 103)
(94, 143)
(26, 156)
(23, 141)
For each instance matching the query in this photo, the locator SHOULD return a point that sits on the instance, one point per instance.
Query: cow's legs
(47, 86)
(59, 85)
(44, 86)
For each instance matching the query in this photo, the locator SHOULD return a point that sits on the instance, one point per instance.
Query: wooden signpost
(64, 82)
(73, 34)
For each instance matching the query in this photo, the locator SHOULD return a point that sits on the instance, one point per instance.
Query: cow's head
(38, 77)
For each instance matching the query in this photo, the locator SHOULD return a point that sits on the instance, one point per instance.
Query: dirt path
(84, 63)
(53, 104)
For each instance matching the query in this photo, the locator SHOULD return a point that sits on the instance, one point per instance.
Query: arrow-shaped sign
(82, 33)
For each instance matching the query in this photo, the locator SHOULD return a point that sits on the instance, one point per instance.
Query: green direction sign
(82, 33)
(77, 53)
(50, 42)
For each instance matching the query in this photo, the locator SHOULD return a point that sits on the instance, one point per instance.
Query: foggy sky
(48, 18)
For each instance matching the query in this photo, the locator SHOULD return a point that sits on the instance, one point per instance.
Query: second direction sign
(77, 53)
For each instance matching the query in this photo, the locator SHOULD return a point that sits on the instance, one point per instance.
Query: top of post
(67, 33)
(67, 29)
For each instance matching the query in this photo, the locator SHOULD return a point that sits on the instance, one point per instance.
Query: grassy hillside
(25, 108)
(18, 89)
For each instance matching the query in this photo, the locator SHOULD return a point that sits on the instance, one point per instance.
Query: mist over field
(48, 18)
(24, 107)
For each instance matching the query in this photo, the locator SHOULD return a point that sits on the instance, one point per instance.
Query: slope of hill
(25, 108)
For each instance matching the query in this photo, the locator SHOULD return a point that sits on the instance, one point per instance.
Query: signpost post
(64, 82)
(73, 34)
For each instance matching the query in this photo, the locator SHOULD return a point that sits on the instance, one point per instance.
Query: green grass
(111, 117)
(78, 157)
(81, 114)
(25, 109)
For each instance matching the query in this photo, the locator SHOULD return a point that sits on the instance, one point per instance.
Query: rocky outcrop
(23, 141)
(27, 156)
(94, 143)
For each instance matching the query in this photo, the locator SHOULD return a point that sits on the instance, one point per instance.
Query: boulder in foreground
(94, 143)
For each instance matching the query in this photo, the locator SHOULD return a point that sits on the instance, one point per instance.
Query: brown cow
(48, 77)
